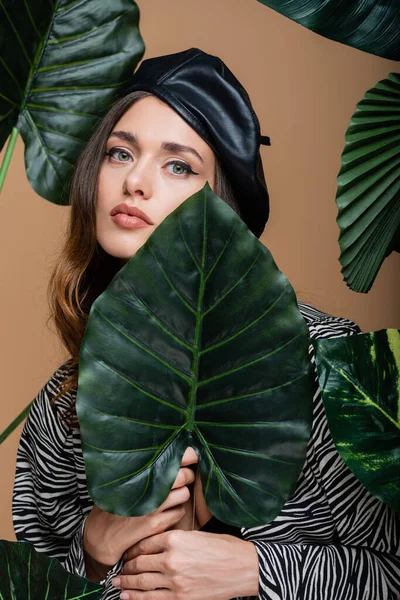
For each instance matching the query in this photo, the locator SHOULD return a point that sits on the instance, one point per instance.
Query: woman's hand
(203, 514)
(189, 565)
(106, 537)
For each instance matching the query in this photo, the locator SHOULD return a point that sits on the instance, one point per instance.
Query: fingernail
(124, 596)
(116, 582)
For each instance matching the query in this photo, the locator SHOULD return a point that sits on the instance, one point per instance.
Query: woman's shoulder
(60, 376)
(53, 403)
(322, 324)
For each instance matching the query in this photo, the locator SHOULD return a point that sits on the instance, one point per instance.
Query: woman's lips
(129, 217)
(129, 222)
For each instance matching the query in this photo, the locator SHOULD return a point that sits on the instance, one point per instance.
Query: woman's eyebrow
(131, 138)
(175, 147)
(126, 136)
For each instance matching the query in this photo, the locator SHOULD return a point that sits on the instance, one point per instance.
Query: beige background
(304, 89)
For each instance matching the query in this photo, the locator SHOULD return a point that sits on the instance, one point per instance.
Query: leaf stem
(7, 157)
(15, 423)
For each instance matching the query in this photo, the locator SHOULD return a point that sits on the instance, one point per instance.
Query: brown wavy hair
(83, 269)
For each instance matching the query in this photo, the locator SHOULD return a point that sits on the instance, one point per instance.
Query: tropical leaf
(27, 575)
(368, 194)
(364, 24)
(62, 63)
(196, 343)
(17, 421)
(360, 380)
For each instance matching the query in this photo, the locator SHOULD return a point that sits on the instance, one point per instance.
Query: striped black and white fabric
(332, 540)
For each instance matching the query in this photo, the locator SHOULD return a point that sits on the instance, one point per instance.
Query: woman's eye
(119, 154)
(180, 168)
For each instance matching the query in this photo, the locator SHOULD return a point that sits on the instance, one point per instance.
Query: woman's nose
(138, 182)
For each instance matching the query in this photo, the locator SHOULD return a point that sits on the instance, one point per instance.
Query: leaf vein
(238, 333)
(32, 20)
(222, 479)
(42, 108)
(3, 117)
(154, 318)
(264, 425)
(83, 34)
(186, 244)
(128, 419)
(66, 135)
(24, 51)
(130, 451)
(136, 386)
(75, 88)
(167, 279)
(40, 144)
(8, 100)
(249, 364)
(253, 484)
(221, 253)
(149, 463)
(144, 348)
(366, 399)
(247, 453)
(11, 74)
(223, 296)
(77, 63)
(243, 396)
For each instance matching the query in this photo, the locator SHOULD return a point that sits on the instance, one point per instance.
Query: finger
(145, 563)
(186, 523)
(189, 458)
(184, 477)
(143, 581)
(151, 546)
(175, 498)
(149, 595)
(166, 519)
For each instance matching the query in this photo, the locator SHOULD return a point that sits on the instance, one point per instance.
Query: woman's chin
(124, 252)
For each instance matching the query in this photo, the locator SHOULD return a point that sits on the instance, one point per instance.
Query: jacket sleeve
(49, 502)
(315, 572)
(332, 539)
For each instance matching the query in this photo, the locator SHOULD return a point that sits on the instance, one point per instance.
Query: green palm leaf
(368, 194)
(198, 342)
(364, 24)
(62, 63)
(27, 575)
(360, 380)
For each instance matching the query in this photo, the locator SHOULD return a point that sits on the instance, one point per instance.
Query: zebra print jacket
(332, 540)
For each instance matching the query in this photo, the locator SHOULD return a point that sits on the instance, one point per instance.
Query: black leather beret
(206, 94)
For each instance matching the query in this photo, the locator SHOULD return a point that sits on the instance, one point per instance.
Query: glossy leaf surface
(198, 342)
(364, 24)
(27, 575)
(360, 380)
(368, 194)
(61, 65)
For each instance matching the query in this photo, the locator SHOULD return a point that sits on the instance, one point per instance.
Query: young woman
(185, 120)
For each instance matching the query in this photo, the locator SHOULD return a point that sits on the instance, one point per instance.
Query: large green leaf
(368, 194)
(360, 380)
(198, 342)
(27, 575)
(364, 24)
(62, 63)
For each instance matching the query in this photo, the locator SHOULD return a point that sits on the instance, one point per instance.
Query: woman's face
(154, 162)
